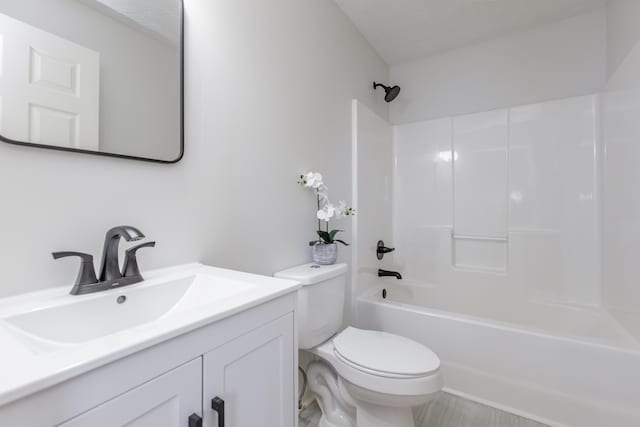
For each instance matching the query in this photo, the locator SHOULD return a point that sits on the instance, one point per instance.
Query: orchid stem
(319, 220)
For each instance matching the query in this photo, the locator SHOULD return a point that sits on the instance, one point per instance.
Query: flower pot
(325, 254)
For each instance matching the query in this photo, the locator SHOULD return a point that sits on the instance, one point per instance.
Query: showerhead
(391, 93)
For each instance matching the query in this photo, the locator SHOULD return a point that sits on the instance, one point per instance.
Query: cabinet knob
(195, 420)
(217, 404)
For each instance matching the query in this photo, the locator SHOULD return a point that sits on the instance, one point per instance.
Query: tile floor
(446, 411)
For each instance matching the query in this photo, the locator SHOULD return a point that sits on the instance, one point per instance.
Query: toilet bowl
(372, 379)
(360, 378)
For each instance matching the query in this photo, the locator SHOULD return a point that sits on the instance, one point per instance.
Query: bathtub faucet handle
(382, 249)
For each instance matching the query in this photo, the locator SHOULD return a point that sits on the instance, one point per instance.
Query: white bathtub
(561, 365)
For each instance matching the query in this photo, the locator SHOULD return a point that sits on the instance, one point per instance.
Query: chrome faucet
(110, 275)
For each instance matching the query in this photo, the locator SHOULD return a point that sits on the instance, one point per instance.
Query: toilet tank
(320, 301)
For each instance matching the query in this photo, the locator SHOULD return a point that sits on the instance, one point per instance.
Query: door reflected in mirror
(98, 76)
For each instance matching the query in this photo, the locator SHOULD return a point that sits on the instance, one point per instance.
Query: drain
(121, 299)
(384, 294)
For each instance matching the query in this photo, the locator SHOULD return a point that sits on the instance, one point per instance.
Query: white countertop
(28, 365)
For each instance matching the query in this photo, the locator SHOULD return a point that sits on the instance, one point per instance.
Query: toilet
(361, 378)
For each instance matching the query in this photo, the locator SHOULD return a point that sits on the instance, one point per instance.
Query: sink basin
(85, 318)
(48, 336)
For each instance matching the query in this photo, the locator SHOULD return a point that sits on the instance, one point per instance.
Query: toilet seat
(384, 354)
(361, 373)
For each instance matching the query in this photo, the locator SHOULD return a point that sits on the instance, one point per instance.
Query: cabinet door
(166, 401)
(254, 376)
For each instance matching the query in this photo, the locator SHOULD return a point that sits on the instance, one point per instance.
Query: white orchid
(323, 193)
(313, 180)
(343, 210)
(327, 212)
(326, 209)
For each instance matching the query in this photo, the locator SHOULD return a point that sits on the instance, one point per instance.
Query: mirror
(93, 76)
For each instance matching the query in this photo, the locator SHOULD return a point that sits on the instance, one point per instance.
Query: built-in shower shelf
(481, 238)
(479, 253)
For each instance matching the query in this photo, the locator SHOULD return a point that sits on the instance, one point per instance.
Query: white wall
(621, 219)
(559, 60)
(269, 90)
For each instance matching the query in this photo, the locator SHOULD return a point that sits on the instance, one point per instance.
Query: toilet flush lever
(382, 249)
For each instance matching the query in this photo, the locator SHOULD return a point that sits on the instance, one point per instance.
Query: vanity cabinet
(252, 375)
(247, 360)
(166, 401)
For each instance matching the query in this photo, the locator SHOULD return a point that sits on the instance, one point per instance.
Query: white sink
(85, 318)
(49, 336)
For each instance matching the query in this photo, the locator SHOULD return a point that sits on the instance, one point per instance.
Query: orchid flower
(323, 193)
(311, 180)
(327, 212)
(343, 210)
(326, 209)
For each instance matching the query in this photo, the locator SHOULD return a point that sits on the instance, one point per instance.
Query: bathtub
(560, 365)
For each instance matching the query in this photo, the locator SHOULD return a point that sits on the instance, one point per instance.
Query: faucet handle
(87, 272)
(130, 267)
(381, 249)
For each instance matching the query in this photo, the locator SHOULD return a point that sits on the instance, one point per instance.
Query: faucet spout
(386, 273)
(110, 265)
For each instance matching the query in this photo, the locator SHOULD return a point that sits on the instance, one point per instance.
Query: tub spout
(385, 273)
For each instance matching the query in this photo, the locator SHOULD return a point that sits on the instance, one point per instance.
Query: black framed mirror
(101, 77)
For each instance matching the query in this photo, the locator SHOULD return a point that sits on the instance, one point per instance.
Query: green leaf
(334, 232)
(342, 241)
(326, 237)
(313, 243)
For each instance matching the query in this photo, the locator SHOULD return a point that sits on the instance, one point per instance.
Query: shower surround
(502, 203)
(497, 218)
(509, 189)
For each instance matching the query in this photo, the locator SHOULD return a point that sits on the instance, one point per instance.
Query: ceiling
(156, 17)
(405, 30)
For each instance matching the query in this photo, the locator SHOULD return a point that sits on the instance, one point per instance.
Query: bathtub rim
(370, 296)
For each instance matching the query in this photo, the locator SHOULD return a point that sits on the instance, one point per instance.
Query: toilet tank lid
(310, 274)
